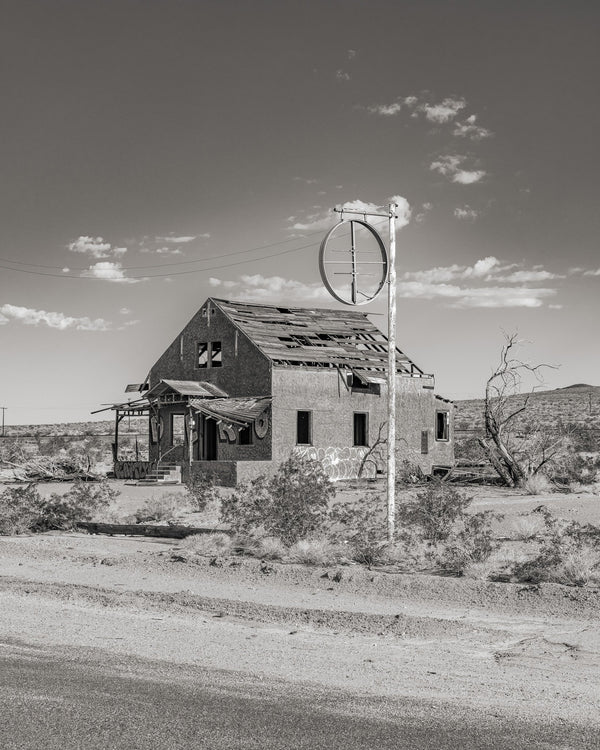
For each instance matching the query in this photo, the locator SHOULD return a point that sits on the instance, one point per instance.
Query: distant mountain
(577, 404)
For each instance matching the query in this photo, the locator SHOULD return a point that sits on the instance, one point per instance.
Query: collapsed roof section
(242, 411)
(316, 337)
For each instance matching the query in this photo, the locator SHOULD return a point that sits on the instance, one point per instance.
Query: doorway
(210, 439)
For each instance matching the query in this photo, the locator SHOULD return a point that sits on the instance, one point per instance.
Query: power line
(172, 263)
(159, 275)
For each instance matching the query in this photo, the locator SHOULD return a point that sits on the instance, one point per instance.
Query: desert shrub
(361, 525)
(80, 504)
(434, 510)
(19, 509)
(164, 508)
(527, 527)
(291, 505)
(537, 484)
(270, 548)
(500, 563)
(316, 551)
(574, 468)
(202, 492)
(207, 545)
(568, 554)
(409, 473)
(468, 449)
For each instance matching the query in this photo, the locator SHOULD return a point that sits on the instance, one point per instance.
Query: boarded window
(177, 429)
(203, 355)
(442, 425)
(216, 359)
(245, 435)
(304, 428)
(425, 441)
(361, 428)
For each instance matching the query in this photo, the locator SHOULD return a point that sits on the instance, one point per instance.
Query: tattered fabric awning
(196, 388)
(240, 411)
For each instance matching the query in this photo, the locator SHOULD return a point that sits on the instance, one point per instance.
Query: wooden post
(391, 432)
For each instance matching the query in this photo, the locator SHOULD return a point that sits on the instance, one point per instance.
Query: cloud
(422, 214)
(450, 165)
(128, 324)
(94, 246)
(305, 180)
(181, 239)
(58, 320)
(386, 110)
(466, 212)
(469, 129)
(444, 111)
(351, 54)
(324, 219)
(108, 271)
(258, 288)
(125, 311)
(489, 284)
(469, 297)
(592, 273)
(341, 75)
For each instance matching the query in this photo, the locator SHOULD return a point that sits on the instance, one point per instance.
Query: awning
(197, 388)
(242, 411)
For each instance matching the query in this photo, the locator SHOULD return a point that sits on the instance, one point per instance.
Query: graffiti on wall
(338, 463)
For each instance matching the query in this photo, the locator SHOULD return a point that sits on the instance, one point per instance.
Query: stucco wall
(332, 404)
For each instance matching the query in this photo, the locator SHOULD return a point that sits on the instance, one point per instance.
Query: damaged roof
(296, 336)
(238, 410)
(198, 388)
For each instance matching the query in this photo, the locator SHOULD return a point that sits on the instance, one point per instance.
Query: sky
(156, 153)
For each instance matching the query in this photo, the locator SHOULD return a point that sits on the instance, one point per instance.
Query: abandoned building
(245, 385)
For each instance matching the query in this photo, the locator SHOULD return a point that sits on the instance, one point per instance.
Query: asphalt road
(67, 700)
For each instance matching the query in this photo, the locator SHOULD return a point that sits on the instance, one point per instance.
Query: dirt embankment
(518, 649)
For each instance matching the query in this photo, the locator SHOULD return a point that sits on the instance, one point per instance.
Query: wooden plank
(142, 529)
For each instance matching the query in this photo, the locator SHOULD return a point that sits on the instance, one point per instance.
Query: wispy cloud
(58, 320)
(181, 239)
(450, 166)
(325, 219)
(128, 324)
(488, 284)
(125, 311)
(109, 271)
(306, 180)
(258, 288)
(443, 112)
(490, 297)
(97, 247)
(470, 129)
(386, 110)
(466, 212)
(162, 250)
(341, 75)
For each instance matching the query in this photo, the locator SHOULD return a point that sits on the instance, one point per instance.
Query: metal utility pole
(3, 410)
(391, 436)
(389, 264)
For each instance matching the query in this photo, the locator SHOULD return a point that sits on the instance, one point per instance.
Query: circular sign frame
(353, 262)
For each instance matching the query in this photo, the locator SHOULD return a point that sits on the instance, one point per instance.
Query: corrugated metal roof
(238, 410)
(315, 337)
(198, 388)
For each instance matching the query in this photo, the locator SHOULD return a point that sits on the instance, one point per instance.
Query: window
(425, 442)
(216, 359)
(304, 428)
(202, 355)
(210, 354)
(177, 429)
(442, 425)
(361, 428)
(245, 435)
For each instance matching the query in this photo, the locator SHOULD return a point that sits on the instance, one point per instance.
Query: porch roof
(238, 410)
(197, 388)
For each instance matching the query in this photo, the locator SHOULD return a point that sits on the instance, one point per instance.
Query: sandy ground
(504, 649)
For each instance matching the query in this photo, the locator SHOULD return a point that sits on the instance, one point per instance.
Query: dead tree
(511, 459)
(374, 455)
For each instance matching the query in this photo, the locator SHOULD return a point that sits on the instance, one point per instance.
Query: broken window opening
(304, 428)
(216, 354)
(245, 435)
(202, 355)
(442, 425)
(177, 429)
(361, 429)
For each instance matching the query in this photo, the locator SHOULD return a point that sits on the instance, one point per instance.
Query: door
(209, 439)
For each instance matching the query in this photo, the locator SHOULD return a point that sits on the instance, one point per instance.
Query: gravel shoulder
(515, 650)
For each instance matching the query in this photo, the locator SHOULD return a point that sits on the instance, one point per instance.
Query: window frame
(309, 426)
(172, 426)
(364, 414)
(446, 431)
(210, 354)
(247, 430)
